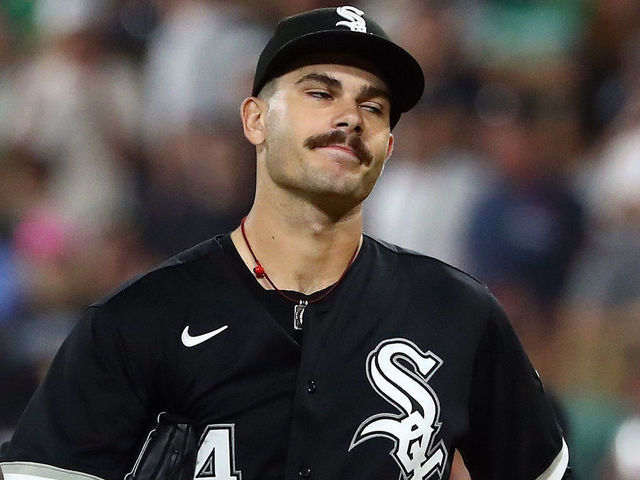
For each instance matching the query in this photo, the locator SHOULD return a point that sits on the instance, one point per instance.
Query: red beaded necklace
(299, 305)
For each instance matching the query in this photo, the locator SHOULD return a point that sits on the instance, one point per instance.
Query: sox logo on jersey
(399, 371)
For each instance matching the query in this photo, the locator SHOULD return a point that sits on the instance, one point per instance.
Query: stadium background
(120, 144)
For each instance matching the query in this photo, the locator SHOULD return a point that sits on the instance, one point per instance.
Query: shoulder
(170, 284)
(433, 291)
(425, 271)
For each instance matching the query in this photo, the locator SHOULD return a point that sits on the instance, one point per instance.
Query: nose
(349, 117)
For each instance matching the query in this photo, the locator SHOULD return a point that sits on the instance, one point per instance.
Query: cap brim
(397, 67)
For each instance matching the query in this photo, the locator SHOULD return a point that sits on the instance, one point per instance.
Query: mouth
(343, 148)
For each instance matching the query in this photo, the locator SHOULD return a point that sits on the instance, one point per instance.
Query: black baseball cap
(344, 30)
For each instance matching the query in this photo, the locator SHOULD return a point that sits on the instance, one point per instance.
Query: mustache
(338, 137)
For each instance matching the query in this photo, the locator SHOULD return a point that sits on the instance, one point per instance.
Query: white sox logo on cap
(354, 20)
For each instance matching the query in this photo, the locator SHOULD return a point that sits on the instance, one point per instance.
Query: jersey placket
(301, 460)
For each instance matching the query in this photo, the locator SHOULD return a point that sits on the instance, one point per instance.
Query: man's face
(327, 132)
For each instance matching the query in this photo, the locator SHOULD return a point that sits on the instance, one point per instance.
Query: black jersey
(406, 360)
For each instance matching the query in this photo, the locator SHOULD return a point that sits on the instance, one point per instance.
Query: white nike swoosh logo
(189, 341)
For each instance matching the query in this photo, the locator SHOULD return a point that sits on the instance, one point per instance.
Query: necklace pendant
(298, 312)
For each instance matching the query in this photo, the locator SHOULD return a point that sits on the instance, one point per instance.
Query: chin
(341, 184)
(345, 193)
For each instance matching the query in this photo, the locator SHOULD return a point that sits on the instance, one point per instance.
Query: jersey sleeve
(89, 416)
(513, 431)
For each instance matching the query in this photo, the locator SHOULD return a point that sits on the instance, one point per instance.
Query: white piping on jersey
(40, 471)
(556, 470)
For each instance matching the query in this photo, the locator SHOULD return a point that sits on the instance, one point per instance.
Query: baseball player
(295, 346)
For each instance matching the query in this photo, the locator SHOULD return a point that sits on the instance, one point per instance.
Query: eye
(320, 94)
(372, 107)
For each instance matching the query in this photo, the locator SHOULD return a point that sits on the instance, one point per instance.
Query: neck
(301, 249)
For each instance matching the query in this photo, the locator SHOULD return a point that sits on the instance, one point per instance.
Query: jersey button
(304, 472)
(311, 386)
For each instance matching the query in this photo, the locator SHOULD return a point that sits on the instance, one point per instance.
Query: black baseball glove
(169, 452)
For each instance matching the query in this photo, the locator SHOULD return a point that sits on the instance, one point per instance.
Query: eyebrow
(367, 91)
(322, 78)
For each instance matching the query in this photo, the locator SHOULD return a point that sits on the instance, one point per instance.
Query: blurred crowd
(121, 144)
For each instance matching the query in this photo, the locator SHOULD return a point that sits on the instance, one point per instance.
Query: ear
(253, 111)
(389, 147)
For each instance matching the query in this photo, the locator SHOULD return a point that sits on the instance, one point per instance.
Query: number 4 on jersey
(216, 454)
